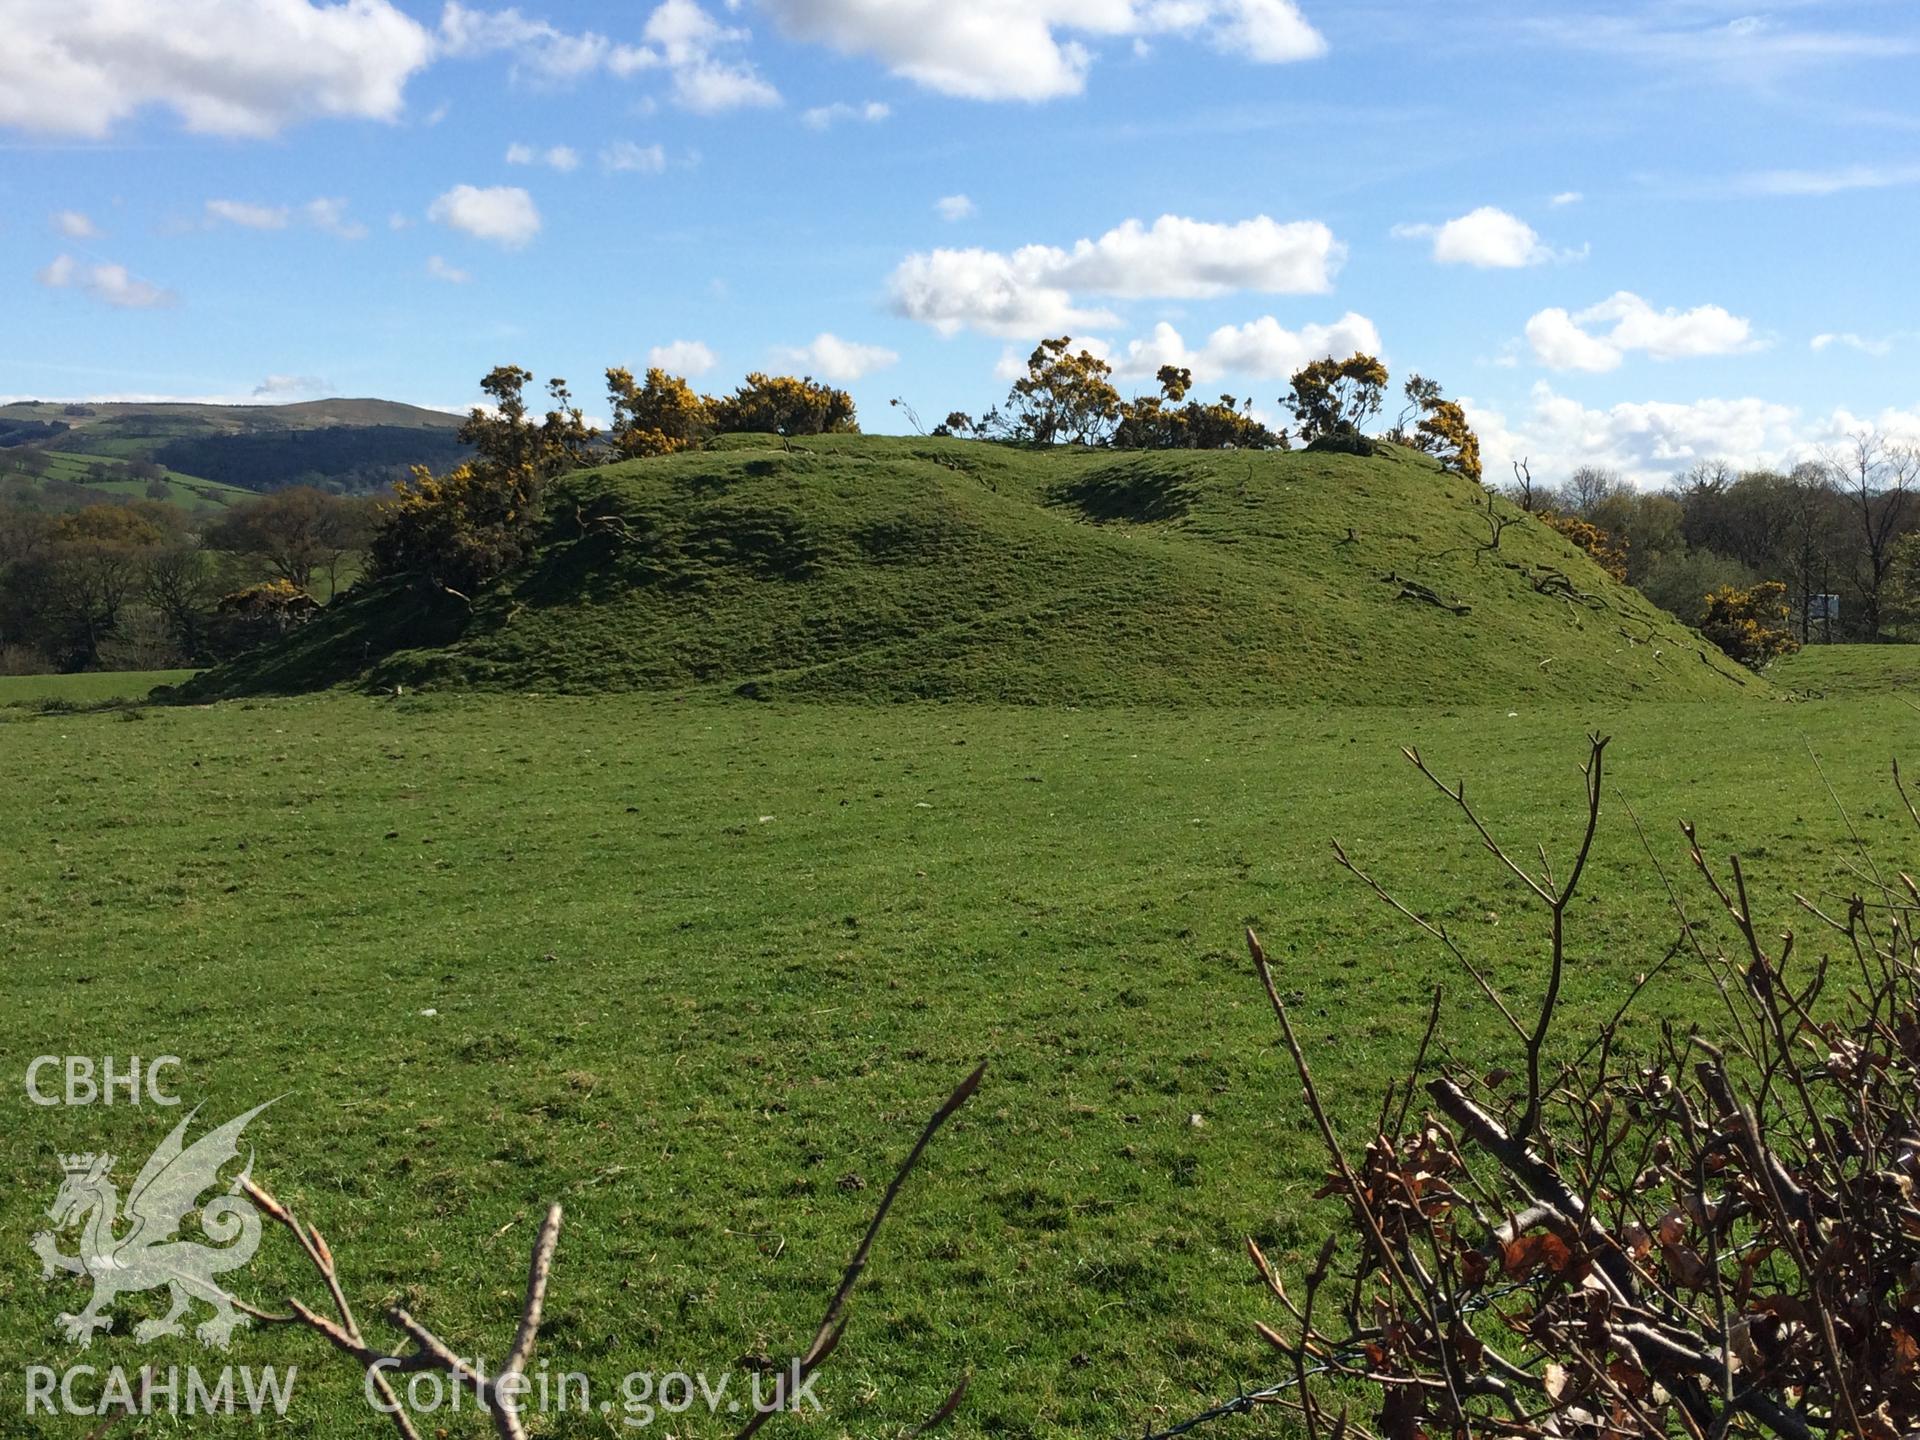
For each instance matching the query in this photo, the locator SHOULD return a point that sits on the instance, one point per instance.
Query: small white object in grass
(1197, 1120)
(765, 818)
(1513, 714)
(429, 1011)
(922, 805)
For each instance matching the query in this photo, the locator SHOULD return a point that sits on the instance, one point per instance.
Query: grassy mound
(885, 568)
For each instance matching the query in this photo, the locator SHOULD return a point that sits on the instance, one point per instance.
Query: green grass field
(1836, 671)
(699, 969)
(189, 491)
(91, 688)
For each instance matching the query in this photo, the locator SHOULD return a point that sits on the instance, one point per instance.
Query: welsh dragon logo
(148, 1256)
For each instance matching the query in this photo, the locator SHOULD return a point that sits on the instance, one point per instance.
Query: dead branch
(499, 1392)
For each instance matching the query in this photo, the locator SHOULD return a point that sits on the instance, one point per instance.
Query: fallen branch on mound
(1556, 584)
(1414, 590)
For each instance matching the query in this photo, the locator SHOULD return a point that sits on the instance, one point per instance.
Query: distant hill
(869, 568)
(349, 445)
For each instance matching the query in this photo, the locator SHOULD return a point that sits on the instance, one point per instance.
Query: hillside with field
(215, 450)
(65, 479)
(867, 568)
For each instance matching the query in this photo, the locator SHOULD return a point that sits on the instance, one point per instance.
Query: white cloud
(1651, 441)
(825, 117)
(555, 157)
(224, 67)
(109, 283)
(1878, 346)
(248, 215)
(682, 357)
(540, 51)
(280, 388)
(681, 39)
(1178, 258)
(1262, 349)
(686, 39)
(955, 290)
(1559, 344)
(504, 214)
(328, 213)
(1750, 51)
(624, 155)
(1488, 239)
(1274, 32)
(1035, 49)
(1567, 197)
(835, 359)
(74, 225)
(452, 274)
(1837, 181)
(955, 207)
(711, 87)
(1566, 342)
(1030, 292)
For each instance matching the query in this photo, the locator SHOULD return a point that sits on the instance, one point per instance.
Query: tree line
(148, 585)
(1839, 535)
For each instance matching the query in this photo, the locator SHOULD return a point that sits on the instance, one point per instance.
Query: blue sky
(1637, 234)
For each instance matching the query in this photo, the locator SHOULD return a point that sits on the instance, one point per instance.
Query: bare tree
(1589, 485)
(1815, 512)
(1878, 480)
(1523, 492)
(294, 533)
(182, 584)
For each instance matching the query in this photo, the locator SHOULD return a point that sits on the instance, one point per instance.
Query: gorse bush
(1066, 397)
(783, 405)
(1332, 399)
(1443, 433)
(1609, 554)
(663, 416)
(1169, 421)
(1749, 623)
(460, 529)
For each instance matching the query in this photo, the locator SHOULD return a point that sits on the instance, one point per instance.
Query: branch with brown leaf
(1702, 1241)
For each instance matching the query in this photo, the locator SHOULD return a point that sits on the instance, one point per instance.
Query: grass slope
(882, 568)
(699, 969)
